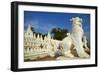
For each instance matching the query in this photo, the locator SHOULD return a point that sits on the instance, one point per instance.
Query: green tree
(59, 33)
(32, 28)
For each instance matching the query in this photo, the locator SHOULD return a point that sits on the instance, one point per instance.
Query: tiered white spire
(49, 36)
(29, 27)
(38, 36)
(34, 36)
(41, 38)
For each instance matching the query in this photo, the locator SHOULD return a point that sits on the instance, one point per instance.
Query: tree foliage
(59, 33)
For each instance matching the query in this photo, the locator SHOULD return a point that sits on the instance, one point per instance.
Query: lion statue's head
(76, 21)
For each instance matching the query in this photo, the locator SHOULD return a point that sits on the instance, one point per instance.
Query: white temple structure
(36, 45)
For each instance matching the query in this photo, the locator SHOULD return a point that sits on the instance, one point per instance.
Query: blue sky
(45, 21)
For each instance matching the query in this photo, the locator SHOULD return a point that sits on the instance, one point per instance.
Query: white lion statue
(75, 38)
